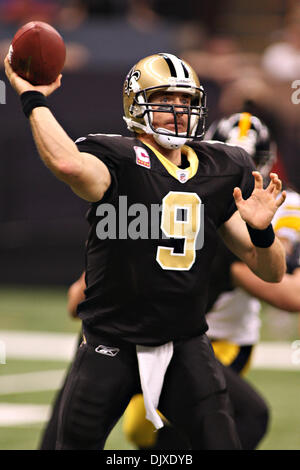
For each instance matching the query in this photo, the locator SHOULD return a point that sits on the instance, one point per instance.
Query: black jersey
(153, 236)
(220, 274)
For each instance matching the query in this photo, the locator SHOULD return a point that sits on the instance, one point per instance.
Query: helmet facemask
(144, 108)
(157, 74)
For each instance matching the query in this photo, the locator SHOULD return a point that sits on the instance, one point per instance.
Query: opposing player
(143, 316)
(234, 316)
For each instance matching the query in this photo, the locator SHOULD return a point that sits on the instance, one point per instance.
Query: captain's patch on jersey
(142, 156)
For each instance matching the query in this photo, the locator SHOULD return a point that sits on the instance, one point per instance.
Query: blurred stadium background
(241, 50)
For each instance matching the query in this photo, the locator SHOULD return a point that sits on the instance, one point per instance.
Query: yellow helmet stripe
(292, 222)
(244, 124)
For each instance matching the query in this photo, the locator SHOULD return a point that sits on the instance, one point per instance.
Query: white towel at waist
(153, 362)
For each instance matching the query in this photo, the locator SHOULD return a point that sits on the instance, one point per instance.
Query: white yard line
(59, 346)
(19, 414)
(38, 345)
(277, 356)
(31, 382)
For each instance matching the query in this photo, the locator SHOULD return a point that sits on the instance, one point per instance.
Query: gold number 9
(187, 229)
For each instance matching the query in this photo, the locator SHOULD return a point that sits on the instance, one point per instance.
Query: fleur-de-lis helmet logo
(133, 75)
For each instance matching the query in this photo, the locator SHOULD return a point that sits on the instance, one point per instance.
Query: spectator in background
(69, 14)
(18, 12)
(107, 8)
(65, 15)
(281, 59)
(141, 16)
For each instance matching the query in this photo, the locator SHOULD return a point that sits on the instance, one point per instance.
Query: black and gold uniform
(234, 354)
(138, 288)
(149, 288)
(249, 409)
(232, 314)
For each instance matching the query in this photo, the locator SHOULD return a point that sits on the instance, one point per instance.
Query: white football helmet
(250, 133)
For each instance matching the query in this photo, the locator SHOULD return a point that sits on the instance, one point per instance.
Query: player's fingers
(273, 182)
(6, 61)
(57, 85)
(258, 180)
(7, 66)
(48, 89)
(281, 199)
(18, 83)
(11, 74)
(237, 194)
(58, 80)
(278, 184)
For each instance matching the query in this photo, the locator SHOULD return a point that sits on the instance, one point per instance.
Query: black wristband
(31, 100)
(261, 238)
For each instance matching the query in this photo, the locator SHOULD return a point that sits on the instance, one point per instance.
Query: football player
(233, 307)
(143, 315)
(233, 317)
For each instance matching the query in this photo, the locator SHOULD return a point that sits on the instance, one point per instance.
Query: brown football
(37, 53)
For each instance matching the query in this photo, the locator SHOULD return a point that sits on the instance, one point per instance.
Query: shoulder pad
(87, 137)
(234, 152)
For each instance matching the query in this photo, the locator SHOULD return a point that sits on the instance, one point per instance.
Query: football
(37, 53)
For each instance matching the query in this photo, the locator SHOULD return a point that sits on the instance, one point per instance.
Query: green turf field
(44, 310)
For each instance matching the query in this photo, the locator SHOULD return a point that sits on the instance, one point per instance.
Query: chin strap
(169, 141)
(166, 141)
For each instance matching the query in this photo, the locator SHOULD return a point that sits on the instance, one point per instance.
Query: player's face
(166, 120)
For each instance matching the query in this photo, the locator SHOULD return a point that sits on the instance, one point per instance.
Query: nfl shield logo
(182, 176)
(142, 157)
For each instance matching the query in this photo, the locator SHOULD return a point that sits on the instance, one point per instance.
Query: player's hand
(21, 85)
(76, 295)
(259, 209)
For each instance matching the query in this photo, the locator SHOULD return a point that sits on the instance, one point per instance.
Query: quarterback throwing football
(143, 314)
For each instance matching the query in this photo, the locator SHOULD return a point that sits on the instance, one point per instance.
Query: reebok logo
(107, 350)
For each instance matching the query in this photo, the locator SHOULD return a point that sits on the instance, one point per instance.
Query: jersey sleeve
(246, 180)
(220, 275)
(102, 149)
